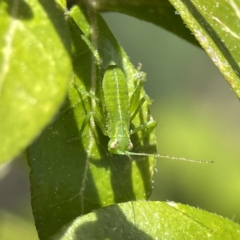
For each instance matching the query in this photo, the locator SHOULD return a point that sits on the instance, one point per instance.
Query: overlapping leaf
(150, 220)
(34, 68)
(217, 28)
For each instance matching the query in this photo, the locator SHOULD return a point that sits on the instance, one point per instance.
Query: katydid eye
(114, 145)
(130, 146)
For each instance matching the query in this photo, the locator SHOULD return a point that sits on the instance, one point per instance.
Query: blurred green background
(197, 116)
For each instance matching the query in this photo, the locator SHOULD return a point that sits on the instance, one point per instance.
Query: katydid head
(119, 146)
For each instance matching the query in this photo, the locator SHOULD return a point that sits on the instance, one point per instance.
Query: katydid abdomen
(116, 101)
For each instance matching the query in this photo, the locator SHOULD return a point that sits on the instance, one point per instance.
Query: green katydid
(119, 110)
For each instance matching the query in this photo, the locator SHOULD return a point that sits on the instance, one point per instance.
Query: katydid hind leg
(84, 92)
(85, 121)
(146, 129)
(141, 101)
(98, 120)
(135, 100)
(98, 62)
(93, 50)
(97, 114)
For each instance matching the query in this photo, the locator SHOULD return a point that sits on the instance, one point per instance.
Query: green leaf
(216, 27)
(34, 71)
(158, 12)
(74, 173)
(150, 220)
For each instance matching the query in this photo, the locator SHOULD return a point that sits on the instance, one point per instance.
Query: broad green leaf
(73, 173)
(150, 220)
(159, 12)
(216, 25)
(34, 70)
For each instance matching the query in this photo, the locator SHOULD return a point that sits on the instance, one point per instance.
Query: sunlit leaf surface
(216, 25)
(34, 71)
